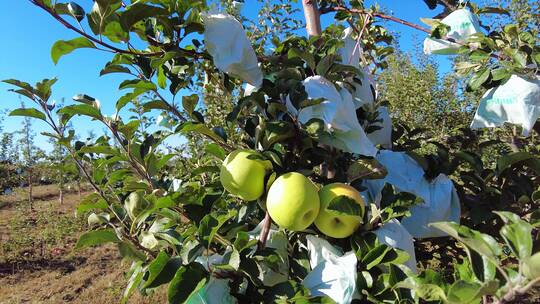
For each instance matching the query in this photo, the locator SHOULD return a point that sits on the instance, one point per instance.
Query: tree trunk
(30, 190)
(61, 188)
(313, 17)
(79, 187)
(313, 28)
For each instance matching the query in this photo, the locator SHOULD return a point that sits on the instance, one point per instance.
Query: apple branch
(375, 14)
(108, 47)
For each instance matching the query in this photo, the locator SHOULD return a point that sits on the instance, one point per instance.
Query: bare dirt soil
(37, 263)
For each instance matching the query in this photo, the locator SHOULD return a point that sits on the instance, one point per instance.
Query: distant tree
(29, 155)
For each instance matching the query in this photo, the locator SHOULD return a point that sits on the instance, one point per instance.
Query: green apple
(242, 174)
(135, 204)
(293, 201)
(333, 225)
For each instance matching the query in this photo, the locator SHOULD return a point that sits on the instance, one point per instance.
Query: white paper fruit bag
(382, 136)
(364, 92)
(462, 25)
(395, 235)
(226, 41)
(338, 113)
(517, 101)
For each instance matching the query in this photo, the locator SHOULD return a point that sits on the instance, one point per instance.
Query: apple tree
(296, 187)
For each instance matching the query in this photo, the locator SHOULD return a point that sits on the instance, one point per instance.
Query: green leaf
(366, 169)
(484, 244)
(64, 47)
(345, 205)
(28, 112)
(43, 88)
(137, 12)
(87, 205)
(81, 109)
(375, 256)
(138, 84)
(156, 104)
(89, 100)
(507, 161)
(500, 73)
(531, 266)
(517, 234)
(185, 281)
(199, 128)
(473, 159)
(190, 102)
(306, 56)
(277, 131)
(215, 150)
(21, 84)
(103, 12)
(129, 252)
(520, 57)
(493, 10)
(230, 262)
(114, 68)
(161, 78)
(133, 282)
(97, 237)
(155, 268)
(478, 79)
(209, 226)
(76, 11)
(325, 64)
(464, 292)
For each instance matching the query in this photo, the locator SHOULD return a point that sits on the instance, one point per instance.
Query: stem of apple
(264, 231)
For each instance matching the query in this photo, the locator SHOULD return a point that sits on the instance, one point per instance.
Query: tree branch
(375, 14)
(81, 32)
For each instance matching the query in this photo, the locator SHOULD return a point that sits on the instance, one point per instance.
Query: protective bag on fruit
(333, 274)
(462, 24)
(517, 101)
(227, 42)
(404, 173)
(395, 235)
(382, 136)
(444, 206)
(364, 87)
(440, 200)
(216, 291)
(338, 113)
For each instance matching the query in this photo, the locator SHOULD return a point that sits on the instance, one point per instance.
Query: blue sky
(29, 33)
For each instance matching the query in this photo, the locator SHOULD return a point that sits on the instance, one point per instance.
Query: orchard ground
(37, 261)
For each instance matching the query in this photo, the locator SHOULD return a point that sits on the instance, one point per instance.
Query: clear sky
(28, 34)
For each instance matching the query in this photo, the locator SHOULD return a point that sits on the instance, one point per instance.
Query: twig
(375, 14)
(510, 295)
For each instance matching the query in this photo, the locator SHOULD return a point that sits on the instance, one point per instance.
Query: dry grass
(38, 265)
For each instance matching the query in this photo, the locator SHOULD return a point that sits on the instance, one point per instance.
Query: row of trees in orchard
(327, 168)
(24, 164)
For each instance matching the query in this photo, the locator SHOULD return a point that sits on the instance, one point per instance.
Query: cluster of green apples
(293, 201)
